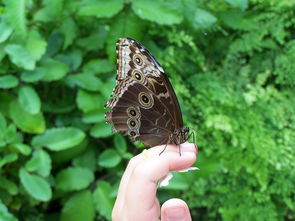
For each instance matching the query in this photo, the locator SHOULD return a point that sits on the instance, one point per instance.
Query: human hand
(136, 200)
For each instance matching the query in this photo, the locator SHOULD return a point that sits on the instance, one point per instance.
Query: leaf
(16, 13)
(74, 178)
(69, 154)
(101, 130)
(57, 139)
(20, 56)
(203, 19)
(79, 207)
(98, 66)
(22, 148)
(69, 30)
(32, 76)
(29, 99)
(55, 43)
(8, 185)
(9, 158)
(242, 4)
(8, 81)
(100, 9)
(95, 116)
(109, 158)
(36, 186)
(5, 32)
(5, 102)
(120, 143)
(178, 182)
(40, 163)
(160, 12)
(36, 45)
(55, 70)
(101, 196)
(124, 24)
(5, 214)
(72, 59)
(52, 9)
(30, 123)
(88, 101)
(86, 81)
(87, 159)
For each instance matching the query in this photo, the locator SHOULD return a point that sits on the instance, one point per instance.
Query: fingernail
(188, 147)
(173, 214)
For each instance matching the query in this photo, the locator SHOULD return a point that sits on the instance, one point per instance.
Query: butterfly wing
(140, 77)
(137, 111)
(128, 53)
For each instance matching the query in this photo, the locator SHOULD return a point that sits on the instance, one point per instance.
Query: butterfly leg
(163, 150)
(179, 150)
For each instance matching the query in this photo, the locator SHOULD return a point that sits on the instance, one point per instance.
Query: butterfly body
(144, 105)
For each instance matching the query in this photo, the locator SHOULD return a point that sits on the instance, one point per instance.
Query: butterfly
(143, 103)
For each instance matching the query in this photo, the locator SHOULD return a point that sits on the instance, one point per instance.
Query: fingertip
(175, 209)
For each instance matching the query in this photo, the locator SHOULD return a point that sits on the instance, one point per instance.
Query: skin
(137, 199)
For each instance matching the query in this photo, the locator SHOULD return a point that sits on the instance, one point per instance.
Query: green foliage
(231, 63)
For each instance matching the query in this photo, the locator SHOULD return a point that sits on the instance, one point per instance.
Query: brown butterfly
(143, 104)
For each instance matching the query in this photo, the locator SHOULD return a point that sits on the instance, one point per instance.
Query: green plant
(231, 63)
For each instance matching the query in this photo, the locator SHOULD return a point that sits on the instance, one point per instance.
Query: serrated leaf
(120, 143)
(29, 99)
(101, 130)
(5, 32)
(20, 56)
(16, 13)
(30, 123)
(74, 178)
(40, 163)
(86, 81)
(160, 12)
(57, 139)
(8, 81)
(55, 70)
(109, 158)
(101, 196)
(100, 9)
(36, 186)
(88, 101)
(36, 45)
(79, 207)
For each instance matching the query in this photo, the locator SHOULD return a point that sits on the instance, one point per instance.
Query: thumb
(175, 210)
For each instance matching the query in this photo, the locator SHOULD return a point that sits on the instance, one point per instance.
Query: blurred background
(231, 63)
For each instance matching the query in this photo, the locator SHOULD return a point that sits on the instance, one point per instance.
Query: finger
(154, 151)
(175, 210)
(143, 180)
